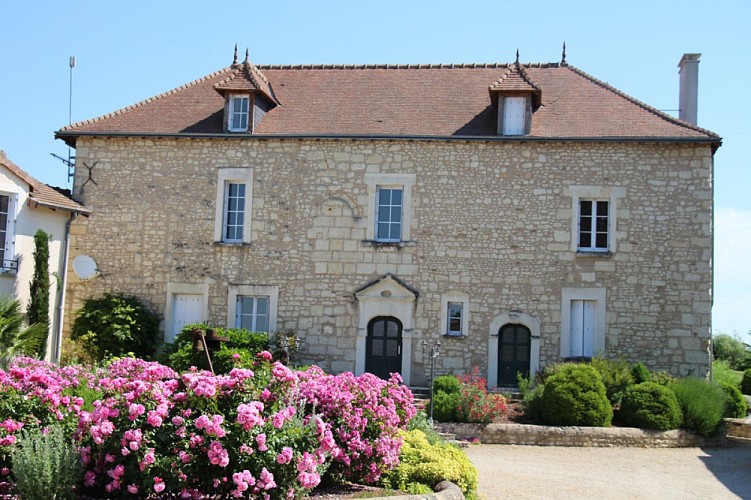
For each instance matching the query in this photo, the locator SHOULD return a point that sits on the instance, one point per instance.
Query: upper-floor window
(234, 201)
(514, 115)
(234, 211)
(238, 116)
(389, 214)
(252, 313)
(4, 224)
(454, 320)
(593, 225)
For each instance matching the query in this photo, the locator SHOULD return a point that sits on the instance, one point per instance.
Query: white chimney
(689, 87)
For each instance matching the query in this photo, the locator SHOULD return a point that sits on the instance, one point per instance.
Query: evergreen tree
(39, 306)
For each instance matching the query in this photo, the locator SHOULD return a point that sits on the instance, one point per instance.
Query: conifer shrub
(575, 395)
(702, 403)
(640, 373)
(746, 382)
(446, 383)
(650, 406)
(616, 375)
(735, 403)
(428, 464)
(444, 406)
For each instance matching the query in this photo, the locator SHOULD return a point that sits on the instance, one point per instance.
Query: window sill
(384, 244)
(454, 335)
(232, 244)
(595, 254)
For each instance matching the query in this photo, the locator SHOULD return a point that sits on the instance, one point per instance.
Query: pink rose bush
(265, 432)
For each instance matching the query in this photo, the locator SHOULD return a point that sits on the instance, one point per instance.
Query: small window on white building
(514, 115)
(583, 328)
(234, 212)
(252, 313)
(6, 232)
(389, 214)
(594, 225)
(454, 320)
(239, 106)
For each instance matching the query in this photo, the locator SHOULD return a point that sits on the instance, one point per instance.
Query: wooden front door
(513, 353)
(383, 351)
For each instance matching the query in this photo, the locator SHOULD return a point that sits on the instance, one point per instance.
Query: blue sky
(129, 51)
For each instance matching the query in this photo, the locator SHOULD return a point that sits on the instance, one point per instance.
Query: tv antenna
(70, 162)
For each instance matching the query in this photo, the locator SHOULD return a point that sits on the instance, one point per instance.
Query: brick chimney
(689, 87)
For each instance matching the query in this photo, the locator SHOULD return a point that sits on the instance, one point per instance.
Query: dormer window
(514, 115)
(238, 113)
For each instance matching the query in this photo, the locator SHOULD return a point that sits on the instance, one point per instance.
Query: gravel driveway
(518, 472)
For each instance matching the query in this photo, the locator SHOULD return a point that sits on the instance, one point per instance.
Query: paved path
(525, 472)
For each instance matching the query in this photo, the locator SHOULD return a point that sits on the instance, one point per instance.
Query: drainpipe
(61, 295)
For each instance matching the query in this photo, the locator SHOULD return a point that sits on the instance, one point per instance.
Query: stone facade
(492, 221)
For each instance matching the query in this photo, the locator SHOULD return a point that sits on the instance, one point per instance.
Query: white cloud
(732, 271)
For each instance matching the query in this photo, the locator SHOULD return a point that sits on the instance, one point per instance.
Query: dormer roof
(245, 77)
(515, 80)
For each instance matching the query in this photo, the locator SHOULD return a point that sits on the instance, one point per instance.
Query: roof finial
(247, 55)
(234, 61)
(563, 57)
(517, 56)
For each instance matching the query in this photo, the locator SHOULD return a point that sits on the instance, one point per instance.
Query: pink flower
(265, 355)
(285, 456)
(309, 480)
(266, 480)
(159, 484)
(132, 489)
(5, 471)
(261, 440)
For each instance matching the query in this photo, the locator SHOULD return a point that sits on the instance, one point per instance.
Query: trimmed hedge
(735, 403)
(444, 406)
(447, 383)
(650, 406)
(575, 395)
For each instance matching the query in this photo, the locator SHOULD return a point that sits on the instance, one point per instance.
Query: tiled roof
(514, 79)
(40, 192)
(401, 100)
(246, 77)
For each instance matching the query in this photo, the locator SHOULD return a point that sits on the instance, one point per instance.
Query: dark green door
(383, 352)
(513, 354)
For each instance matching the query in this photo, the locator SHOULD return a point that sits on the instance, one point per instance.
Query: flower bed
(266, 432)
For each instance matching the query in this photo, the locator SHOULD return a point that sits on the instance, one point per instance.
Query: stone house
(27, 205)
(520, 214)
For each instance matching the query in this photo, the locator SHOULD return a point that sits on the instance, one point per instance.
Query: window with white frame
(233, 205)
(252, 313)
(455, 313)
(389, 207)
(514, 115)
(389, 214)
(7, 217)
(238, 116)
(234, 211)
(583, 322)
(593, 225)
(594, 211)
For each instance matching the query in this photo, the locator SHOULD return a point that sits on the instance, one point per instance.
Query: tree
(39, 306)
(732, 350)
(13, 339)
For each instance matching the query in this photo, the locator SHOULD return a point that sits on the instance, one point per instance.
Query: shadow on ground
(731, 466)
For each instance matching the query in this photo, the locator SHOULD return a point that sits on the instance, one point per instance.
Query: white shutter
(186, 309)
(588, 330)
(577, 328)
(513, 115)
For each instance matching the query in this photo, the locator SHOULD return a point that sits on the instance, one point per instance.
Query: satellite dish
(85, 267)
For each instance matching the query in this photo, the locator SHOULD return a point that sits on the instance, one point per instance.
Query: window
(389, 208)
(514, 115)
(582, 339)
(594, 211)
(455, 314)
(583, 322)
(253, 307)
(234, 212)
(4, 225)
(389, 214)
(454, 319)
(239, 106)
(234, 201)
(593, 225)
(252, 313)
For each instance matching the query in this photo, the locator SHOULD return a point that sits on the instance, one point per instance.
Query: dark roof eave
(70, 137)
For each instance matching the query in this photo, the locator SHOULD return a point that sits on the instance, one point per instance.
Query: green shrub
(640, 373)
(615, 374)
(702, 403)
(420, 422)
(242, 344)
(746, 382)
(733, 350)
(575, 395)
(548, 371)
(114, 325)
(650, 406)
(722, 373)
(444, 406)
(428, 464)
(45, 466)
(532, 403)
(446, 383)
(735, 403)
(524, 383)
(662, 378)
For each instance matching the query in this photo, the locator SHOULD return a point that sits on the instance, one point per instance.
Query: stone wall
(489, 219)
